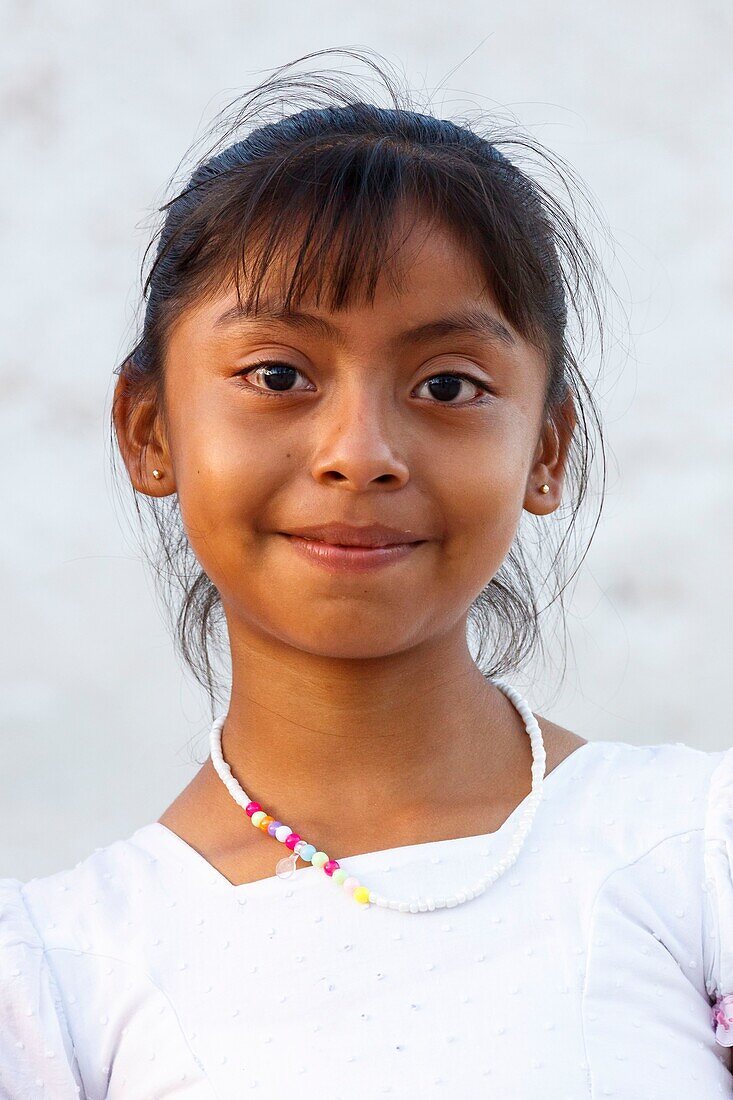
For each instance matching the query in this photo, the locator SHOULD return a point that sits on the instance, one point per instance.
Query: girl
(356, 375)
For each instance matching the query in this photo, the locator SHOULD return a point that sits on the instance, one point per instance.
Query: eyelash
(488, 391)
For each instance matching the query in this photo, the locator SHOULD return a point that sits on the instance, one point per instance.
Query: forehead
(433, 283)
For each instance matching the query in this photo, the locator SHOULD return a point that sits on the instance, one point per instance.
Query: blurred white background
(100, 725)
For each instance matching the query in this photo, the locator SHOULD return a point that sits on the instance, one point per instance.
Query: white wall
(100, 727)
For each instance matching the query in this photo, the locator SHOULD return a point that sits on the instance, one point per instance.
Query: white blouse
(599, 965)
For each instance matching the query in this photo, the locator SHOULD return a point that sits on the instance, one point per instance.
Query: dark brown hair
(319, 188)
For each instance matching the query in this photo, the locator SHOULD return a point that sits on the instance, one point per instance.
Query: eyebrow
(473, 321)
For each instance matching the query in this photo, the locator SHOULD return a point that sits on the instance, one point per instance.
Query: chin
(348, 641)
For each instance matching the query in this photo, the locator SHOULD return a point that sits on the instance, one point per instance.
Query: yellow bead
(361, 894)
(256, 818)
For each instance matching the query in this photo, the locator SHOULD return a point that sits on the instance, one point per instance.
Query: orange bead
(265, 822)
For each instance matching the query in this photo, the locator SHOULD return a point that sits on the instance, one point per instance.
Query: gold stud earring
(157, 474)
(544, 488)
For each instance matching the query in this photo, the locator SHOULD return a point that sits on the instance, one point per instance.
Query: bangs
(329, 222)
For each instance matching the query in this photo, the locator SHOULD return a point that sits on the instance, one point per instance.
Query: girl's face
(346, 428)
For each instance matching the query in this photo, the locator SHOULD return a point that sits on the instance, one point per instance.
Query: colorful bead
(273, 827)
(350, 884)
(252, 808)
(283, 833)
(361, 894)
(308, 852)
(266, 821)
(339, 876)
(256, 817)
(292, 840)
(331, 866)
(319, 859)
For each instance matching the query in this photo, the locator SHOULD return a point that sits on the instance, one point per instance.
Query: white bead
(282, 833)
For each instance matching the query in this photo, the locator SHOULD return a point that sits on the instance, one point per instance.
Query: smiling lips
(342, 534)
(341, 547)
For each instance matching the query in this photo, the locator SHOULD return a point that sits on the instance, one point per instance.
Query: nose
(358, 444)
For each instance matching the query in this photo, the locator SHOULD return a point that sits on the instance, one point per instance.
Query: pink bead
(252, 808)
(291, 841)
(350, 884)
(331, 866)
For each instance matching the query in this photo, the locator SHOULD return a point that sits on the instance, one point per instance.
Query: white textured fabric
(588, 970)
(718, 914)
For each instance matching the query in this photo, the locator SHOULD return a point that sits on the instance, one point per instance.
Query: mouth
(351, 557)
(373, 536)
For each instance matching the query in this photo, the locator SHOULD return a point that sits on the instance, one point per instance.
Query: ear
(550, 459)
(141, 438)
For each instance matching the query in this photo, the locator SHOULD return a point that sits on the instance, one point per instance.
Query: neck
(315, 739)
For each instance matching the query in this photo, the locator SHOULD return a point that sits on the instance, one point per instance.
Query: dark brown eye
(447, 386)
(277, 376)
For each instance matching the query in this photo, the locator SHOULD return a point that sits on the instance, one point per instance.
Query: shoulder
(85, 907)
(36, 1050)
(77, 948)
(639, 814)
(65, 939)
(719, 816)
(663, 817)
(650, 792)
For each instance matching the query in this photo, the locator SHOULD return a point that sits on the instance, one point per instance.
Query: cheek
(226, 479)
(483, 490)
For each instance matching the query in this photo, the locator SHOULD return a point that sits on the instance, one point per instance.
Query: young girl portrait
(357, 419)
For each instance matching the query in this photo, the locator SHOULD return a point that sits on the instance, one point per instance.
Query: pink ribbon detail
(722, 1015)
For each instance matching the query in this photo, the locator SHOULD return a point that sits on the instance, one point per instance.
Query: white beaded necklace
(309, 853)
